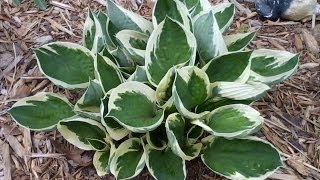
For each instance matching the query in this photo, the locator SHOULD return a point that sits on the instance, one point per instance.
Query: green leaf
(196, 6)
(134, 44)
(177, 136)
(89, 31)
(66, 64)
(173, 9)
(132, 104)
(98, 145)
(224, 13)
(237, 42)
(209, 38)
(169, 45)
(122, 60)
(233, 67)
(81, 131)
(17, 2)
(41, 4)
(174, 167)
(129, 159)
(93, 34)
(114, 129)
(157, 138)
(91, 99)
(164, 89)
(215, 102)
(105, 52)
(109, 31)
(194, 133)
(102, 159)
(239, 91)
(41, 112)
(125, 19)
(272, 66)
(139, 75)
(242, 159)
(191, 87)
(107, 73)
(236, 120)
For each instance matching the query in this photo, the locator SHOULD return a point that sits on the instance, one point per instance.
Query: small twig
(32, 78)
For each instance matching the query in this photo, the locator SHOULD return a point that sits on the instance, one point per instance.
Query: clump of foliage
(41, 4)
(161, 93)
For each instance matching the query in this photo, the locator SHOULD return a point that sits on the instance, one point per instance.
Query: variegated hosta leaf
(174, 167)
(83, 133)
(134, 44)
(237, 42)
(108, 30)
(242, 159)
(272, 66)
(157, 138)
(122, 60)
(170, 44)
(98, 145)
(41, 112)
(232, 67)
(105, 52)
(111, 31)
(176, 133)
(125, 19)
(66, 64)
(91, 99)
(102, 159)
(93, 36)
(89, 31)
(236, 120)
(164, 89)
(215, 102)
(194, 133)
(224, 13)
(114, 129)
(132, 104)
(209, 38)
(139, 75)
(107, 73)
(191, 87)
(196, 6)
(174, 9)
(129, 159)
(239, 91)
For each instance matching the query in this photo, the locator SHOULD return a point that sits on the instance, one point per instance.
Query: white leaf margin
(72, 137)
(247, 111)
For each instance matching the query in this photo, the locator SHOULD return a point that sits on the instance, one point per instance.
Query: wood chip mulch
(291, 109)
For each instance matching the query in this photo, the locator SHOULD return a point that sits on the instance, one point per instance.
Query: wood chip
(310, 41)
(59, 26)
(16, 146)
(298, 166)
(284, 177)
(5, 162)
(298, 42)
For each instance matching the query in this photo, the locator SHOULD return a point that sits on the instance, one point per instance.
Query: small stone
(44, 39)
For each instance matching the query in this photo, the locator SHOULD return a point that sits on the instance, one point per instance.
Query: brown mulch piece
(291, 109)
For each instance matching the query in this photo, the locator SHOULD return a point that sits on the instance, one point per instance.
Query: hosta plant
(161, 92)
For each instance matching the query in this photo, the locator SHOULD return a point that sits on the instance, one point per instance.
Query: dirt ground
(291, 109)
